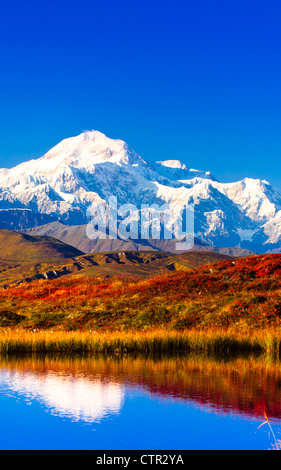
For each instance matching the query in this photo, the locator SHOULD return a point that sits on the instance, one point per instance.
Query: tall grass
(149, 342)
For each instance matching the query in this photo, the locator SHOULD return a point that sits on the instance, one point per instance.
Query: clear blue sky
(195, 80)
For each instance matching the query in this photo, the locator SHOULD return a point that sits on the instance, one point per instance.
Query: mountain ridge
(17, 246)
(26, 258)
(76, 235)
(89, 168)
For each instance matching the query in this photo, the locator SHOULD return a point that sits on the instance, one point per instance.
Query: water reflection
(90, 389)
(78, 398)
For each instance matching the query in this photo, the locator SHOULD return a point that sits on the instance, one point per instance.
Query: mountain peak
(89, 148)
(173, 164)
(90, 167)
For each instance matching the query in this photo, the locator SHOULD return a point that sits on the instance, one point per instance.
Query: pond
(180, 403)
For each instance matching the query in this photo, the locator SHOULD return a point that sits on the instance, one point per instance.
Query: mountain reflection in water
(90, 389)
(78, 398)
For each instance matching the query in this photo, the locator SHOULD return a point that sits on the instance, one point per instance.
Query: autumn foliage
(242, 292)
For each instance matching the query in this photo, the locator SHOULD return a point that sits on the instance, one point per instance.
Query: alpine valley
(50, 196)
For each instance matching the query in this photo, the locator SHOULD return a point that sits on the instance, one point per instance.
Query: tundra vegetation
(234, 304)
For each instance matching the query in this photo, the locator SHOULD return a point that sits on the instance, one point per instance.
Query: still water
(190, 402)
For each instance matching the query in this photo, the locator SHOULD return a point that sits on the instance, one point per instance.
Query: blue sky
(195, 80)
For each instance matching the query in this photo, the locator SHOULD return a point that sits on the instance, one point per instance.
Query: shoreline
(212, 341)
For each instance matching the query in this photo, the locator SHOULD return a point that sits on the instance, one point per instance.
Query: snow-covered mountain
(91, 167)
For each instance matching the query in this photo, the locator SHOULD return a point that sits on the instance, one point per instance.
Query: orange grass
(157, 341)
